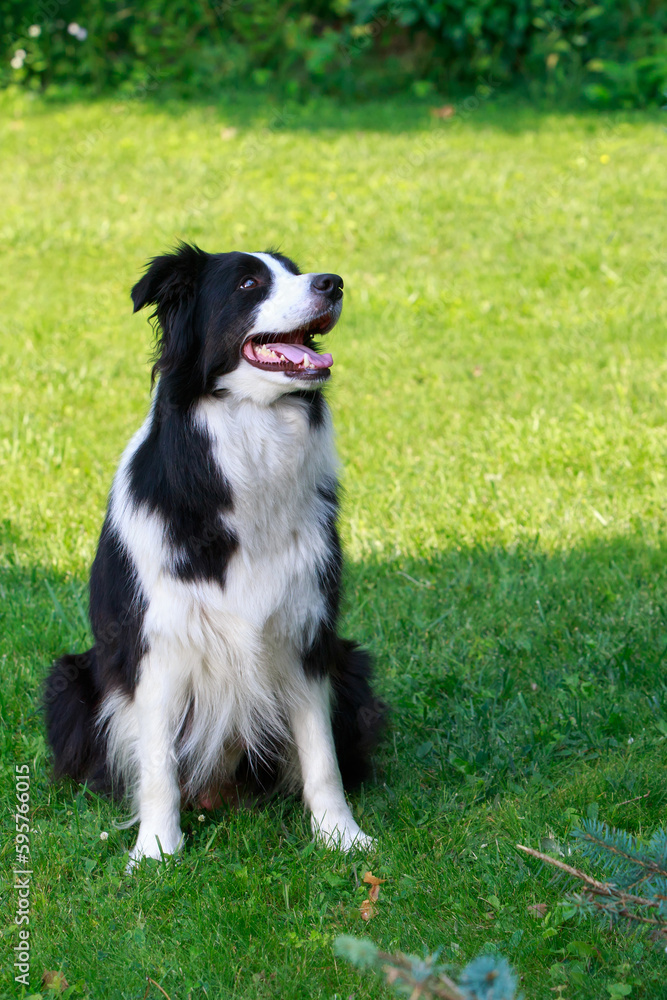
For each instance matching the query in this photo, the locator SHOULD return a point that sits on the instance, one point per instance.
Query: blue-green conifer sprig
(635, 888)
(630, 864)
(488, 977)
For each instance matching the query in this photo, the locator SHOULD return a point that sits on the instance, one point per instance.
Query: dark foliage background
(611, 52)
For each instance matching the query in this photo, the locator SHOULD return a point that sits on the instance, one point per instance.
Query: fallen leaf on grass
(55, 980)
(368, 908)
(538, 910)
(373, 879)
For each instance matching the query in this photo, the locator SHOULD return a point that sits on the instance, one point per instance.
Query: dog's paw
(359, 841)
(154, 845)
(342, 833)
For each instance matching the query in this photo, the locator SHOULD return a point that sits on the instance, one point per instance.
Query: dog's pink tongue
(295, 353)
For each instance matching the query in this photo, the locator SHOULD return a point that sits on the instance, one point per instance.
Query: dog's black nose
(330, 285)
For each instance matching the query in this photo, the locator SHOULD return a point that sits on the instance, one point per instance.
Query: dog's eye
(249, 283)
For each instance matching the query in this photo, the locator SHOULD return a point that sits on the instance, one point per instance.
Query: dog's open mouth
(291, 353)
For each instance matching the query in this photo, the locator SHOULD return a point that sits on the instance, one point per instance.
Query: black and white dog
(215, 589)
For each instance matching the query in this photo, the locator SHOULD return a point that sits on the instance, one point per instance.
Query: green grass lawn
(499, 395)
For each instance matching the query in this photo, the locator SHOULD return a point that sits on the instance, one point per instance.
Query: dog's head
(241, 322)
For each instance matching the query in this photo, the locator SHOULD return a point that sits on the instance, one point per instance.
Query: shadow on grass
(507, 671)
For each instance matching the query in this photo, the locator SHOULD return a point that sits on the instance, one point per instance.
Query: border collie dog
(215, 589)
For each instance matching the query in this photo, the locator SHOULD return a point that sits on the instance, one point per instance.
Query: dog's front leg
(157, 793)
(331, 818)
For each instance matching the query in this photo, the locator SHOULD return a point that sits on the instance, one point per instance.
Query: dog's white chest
(276, 465)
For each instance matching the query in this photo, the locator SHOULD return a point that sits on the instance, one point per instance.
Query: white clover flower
(82, 34)
(201, 818)
(20, 53)
(16, 62)
(72, 28)
(104, 835)
(34, 31)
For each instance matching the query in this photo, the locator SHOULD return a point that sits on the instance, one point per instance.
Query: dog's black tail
(71, 701)
(359, 717)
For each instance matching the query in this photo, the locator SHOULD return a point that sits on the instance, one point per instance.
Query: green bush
(612, 51)
(608, 51)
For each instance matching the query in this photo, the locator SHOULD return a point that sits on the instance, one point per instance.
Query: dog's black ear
(169, 279)
(170, 284)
